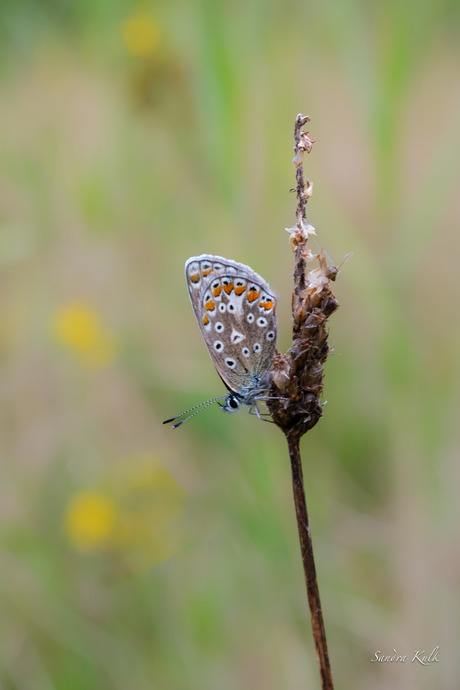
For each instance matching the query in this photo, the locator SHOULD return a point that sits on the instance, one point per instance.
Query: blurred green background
(133, 136)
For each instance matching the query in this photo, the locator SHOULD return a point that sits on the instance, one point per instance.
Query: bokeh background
(133, 136)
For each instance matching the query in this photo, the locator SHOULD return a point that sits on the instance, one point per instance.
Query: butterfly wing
(235, 310)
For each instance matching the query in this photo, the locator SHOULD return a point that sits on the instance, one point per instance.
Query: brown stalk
(297, 376)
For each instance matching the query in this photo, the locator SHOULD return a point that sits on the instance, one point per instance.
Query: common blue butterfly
(235, 311)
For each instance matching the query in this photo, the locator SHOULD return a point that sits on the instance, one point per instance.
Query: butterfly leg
(254, 409)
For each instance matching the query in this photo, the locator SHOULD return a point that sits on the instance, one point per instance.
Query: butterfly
(235, 311)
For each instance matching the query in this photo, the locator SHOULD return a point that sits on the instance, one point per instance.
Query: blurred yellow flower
(80, 329)
(90, 519)
(141, 35)
(138, 517)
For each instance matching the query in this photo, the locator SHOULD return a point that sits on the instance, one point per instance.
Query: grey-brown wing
(236, 315)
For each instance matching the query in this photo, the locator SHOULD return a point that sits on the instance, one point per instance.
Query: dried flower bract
(297, 377)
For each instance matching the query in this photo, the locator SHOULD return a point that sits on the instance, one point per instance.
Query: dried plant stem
(306, 548)
(297, 376)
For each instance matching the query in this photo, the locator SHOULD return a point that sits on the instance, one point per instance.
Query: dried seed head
(300, 233)
(307, 254)
(297, 377)
(308, 191)
(317, 280)
(306, 142)
(281, 372)
(298, 158)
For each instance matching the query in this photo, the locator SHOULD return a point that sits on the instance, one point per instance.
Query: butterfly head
(232, 403)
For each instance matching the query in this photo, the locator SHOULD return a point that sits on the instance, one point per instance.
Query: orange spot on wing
(217, 290)
(210, 306)
(240, 290)
(195, 278)
(267, 305)
(252, 295)
(205, 320)
(228, 288)
(207, 272)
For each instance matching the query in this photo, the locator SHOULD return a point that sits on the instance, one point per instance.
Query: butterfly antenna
(198, 408)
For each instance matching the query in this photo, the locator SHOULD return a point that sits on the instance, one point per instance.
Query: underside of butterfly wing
(235, 310)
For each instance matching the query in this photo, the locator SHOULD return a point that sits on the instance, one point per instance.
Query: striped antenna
(198, 408)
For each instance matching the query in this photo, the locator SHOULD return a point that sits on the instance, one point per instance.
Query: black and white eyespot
(206, 266)
(256, 347)
(222, 307)
(231, 307)
(207, 297)
(262, 322)
(250, 318)
(219, 326)
(236, 336)
(218, 346)
(218, 267)
(230, 363)
(270, 335)
(246, 351)
(215, 284)
(239, 283)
